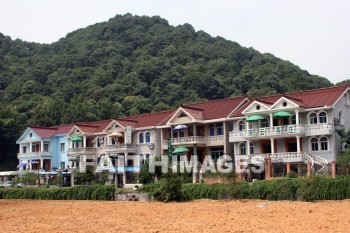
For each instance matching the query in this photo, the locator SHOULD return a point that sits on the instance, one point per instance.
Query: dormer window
(30, 135)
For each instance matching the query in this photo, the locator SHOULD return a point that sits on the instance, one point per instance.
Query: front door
(266, 148)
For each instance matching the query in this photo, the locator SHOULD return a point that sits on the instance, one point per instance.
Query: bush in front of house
(292, 189)
(93, 192)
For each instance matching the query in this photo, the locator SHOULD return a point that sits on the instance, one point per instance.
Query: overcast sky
(313, 34)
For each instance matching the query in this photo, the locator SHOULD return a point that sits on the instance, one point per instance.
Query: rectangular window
(30, 135)
(33, 148)
(211, 130)
(46, 147)
(63, 147)
(63, 165)
(216, 152)
(219, 129)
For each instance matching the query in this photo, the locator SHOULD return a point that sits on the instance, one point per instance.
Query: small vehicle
(1, 184)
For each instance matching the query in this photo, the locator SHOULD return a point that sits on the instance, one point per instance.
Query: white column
(125, 165)
(298, 144)
(271, 120)
(30, 166)
(84, 141)
(194, 129)
(248, 147)
(42, 146)
(30, 147)
(20, 148)
(272, 145)
(297, 117)
(41, 164)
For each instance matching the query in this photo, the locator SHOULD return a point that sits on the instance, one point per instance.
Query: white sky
(313, 34)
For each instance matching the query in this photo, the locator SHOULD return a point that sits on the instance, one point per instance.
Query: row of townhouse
(289, 129)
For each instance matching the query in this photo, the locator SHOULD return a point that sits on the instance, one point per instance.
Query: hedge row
(304, 189)
(93, 192)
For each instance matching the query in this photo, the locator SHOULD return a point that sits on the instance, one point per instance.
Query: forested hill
(126, 66)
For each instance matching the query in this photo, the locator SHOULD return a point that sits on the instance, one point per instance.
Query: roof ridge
(43, 127)
(217, 100)
(194, 108)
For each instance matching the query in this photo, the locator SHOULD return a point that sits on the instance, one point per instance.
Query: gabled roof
(148, 120)
(308, 99)
(44, 132)
(216, 109)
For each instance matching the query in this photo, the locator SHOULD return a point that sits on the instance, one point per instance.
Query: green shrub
(93, 192)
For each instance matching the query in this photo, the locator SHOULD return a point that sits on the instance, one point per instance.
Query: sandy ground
(197, 216)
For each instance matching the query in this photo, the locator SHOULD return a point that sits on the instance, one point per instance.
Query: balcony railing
(284, 130)
(37, 153)
(281, 156)
(82, 150)
(195, 139)
(120, 146)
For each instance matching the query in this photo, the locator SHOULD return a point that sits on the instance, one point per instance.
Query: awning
(21, 165)
(180, 150)
(254, 118)
(116, 134)
(76, 139)
(178, 127)
(281, 114)
(8, 173)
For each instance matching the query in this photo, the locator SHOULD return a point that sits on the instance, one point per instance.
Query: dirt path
(198, 216)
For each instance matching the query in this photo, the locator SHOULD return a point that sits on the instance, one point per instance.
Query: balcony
(212, 140)
(82, 150)
(121, 148)
(281, 132)
(279, 157)
(34, 155)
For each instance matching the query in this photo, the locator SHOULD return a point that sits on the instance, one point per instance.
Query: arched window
(324, 143)
(241, 126)
(264, 123)
(323, 117)
(314, 144)
(141, 138)
(313, 118)
(147, 137)
(251, 148)
(242, 149)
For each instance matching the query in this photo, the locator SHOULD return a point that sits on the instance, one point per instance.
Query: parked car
(1, 184)
(10, 184)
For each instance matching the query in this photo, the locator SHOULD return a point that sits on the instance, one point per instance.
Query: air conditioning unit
(336, 121)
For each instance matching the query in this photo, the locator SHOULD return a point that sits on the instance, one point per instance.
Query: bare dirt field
(197, 216)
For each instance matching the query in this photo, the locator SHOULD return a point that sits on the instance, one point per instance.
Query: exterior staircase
(319, 162)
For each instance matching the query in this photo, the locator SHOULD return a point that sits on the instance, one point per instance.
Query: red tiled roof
(64, 129)
(218, 108)
(44, 132)
(214, 109)
(308, 99)
(93, 127)
(194, 112)
(147, 120)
